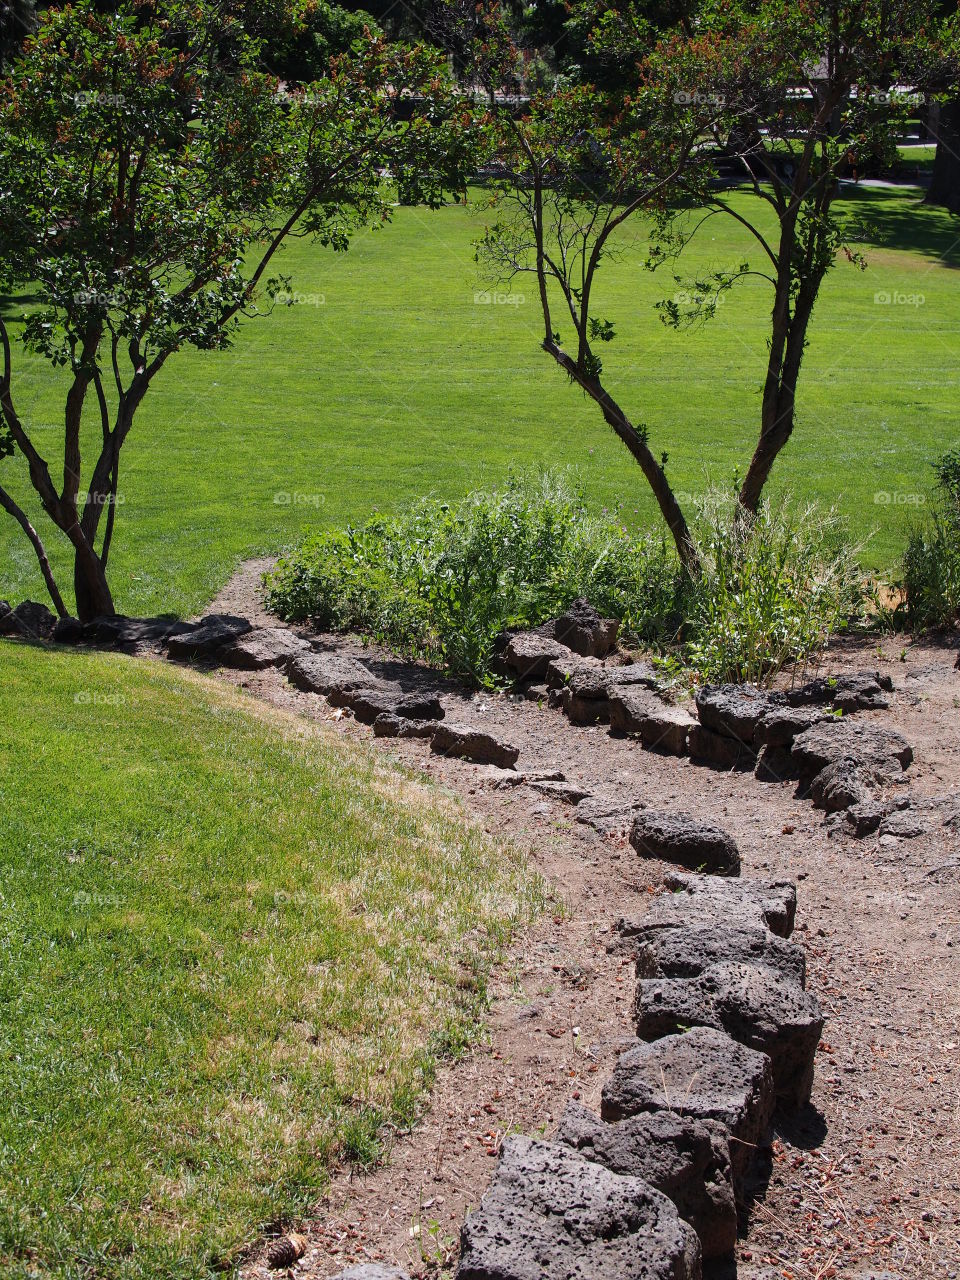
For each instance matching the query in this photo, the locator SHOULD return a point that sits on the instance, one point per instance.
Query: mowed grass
(232, 948)
(387, 381)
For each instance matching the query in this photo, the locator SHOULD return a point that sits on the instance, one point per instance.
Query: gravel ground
(866, 1182)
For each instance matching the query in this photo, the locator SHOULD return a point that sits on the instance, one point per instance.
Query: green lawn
(231, 948)
(399, 384)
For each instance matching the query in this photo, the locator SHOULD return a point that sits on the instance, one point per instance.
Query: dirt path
(867, 1182)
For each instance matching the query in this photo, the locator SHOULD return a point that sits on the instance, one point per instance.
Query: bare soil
(865, 1183)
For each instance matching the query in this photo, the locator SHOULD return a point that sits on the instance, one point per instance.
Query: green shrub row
(931, 563)
(442, 582)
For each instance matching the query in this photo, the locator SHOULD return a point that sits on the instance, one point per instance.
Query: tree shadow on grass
(886, 219)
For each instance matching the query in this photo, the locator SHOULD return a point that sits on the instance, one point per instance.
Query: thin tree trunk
(640, 451)
(94, 599)
(20, 516)
(945, 182)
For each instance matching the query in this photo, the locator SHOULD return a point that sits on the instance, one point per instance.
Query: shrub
(931, 562)
(443, 581)
(774, 587)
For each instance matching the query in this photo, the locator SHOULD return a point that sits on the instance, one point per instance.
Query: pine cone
(286, 1251)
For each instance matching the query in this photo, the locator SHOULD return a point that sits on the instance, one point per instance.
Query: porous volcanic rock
(551, 1215)
(687, 951)
(782, 723)
(698, 900)
(688, 1160)
(390, 699)
(332, 674)
(862, 741)
(718, 749)
(263, 647)
(388, 725)
(733, 710)
(204, 638)
(529, 654)
(472, 744)
(677, 837)
(753, 1006)
(582, 629)
(703, 1074)
(30, 620)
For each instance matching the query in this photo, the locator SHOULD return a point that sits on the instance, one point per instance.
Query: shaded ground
(867, 1184)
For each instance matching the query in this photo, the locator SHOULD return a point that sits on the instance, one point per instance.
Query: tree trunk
(90, 587)
(945, 183)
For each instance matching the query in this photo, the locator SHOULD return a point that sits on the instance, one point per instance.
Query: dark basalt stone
(703, 1074)
(753, 1006)
(551, 1215)
(687, 951)
(679, 838)
(688, 1160)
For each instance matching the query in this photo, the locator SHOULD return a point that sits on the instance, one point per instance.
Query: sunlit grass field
(232, 949)
(387, 380)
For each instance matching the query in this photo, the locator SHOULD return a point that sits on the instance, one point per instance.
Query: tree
(148, 183)
(945, 179)
(576, 168)
(17, 19)
(803, 91)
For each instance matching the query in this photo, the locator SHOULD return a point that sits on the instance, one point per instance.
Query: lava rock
(551, 1215)
(780, 724)
(390, 699)
(473, 744)
(866, 744)
(261, 648)
(698, 900)
(864, 818)
(905, 825)
(839, 786)
(30, 620)
(388, 725)
(607, 814)
(67, 630)
(857, 690)
(582, 629)
(686, 952)
(733, 710)
(660, 726)
(703, 1074)
(776, 764)
(677, 837)
(719, 750)
(688, 1160)
(569, 792)
(529, 654)
(753, 1006)
(204, 638)
(332, 674)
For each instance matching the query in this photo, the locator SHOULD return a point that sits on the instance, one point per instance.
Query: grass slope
(389, 381)
(231, 948)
